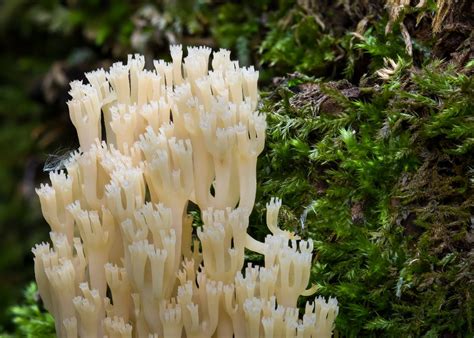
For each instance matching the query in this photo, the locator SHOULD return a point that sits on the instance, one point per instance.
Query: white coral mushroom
(124, 260)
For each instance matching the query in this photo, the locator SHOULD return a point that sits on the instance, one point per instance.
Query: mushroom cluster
(126, 259)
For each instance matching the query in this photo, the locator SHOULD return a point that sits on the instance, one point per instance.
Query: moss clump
(378, 170)
(382, 178)
(29, 318)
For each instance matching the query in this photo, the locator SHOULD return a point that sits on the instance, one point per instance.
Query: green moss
(30, 320)
(384, 175)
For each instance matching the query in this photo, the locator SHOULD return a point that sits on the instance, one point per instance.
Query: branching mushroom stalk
(124, 261)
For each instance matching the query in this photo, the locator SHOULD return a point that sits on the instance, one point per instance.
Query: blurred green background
(371, 100)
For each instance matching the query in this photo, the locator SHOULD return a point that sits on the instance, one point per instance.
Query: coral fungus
(125, 260)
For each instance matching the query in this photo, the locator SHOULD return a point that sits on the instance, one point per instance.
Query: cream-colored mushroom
(126, 259)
